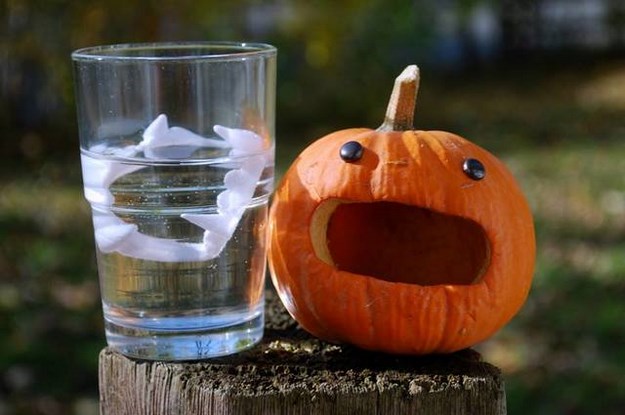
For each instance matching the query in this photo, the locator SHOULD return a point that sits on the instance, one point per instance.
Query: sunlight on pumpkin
(401, 243)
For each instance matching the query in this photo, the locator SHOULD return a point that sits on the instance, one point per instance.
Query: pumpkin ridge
(445, 322)
(434, 144)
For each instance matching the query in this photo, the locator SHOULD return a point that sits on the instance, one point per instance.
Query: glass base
(177, 345)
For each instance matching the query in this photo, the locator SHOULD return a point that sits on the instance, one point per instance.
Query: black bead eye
(351, 151)
(474, 169)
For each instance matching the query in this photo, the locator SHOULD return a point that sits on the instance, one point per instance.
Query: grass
(562, 351)
(559, 131)
(50, 320)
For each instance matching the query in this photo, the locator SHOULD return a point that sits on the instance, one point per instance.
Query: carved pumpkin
(401, 241)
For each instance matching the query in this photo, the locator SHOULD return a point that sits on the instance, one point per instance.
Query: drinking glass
(177, 154)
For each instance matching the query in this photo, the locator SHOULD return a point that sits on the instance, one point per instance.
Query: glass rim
(207, 50)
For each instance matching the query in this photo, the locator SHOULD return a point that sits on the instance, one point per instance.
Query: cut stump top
(291, 372)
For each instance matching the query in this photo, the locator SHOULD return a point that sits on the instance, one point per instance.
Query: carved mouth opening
(400, 243)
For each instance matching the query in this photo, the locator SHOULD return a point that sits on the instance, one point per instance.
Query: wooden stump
(291, 372)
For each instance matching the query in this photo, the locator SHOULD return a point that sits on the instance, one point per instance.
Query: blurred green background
(539, 83)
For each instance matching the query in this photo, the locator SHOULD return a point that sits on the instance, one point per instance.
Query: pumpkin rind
(415, 168)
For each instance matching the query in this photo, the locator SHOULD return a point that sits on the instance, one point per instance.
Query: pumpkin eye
(351, 151)
(474, 169)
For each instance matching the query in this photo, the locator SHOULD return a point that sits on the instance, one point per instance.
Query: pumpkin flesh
(401, 243)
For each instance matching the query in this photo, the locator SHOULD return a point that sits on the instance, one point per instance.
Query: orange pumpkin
(402, 241)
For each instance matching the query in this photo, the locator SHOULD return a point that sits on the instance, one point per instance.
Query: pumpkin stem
(401, 106)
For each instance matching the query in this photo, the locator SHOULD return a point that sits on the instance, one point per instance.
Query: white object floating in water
(159, 138)
(231, 204)
(114, 235)
(243, 142)
(110, 231)
(99, 174)
(240, 185)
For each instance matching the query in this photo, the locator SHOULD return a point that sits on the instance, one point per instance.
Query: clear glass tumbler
(177, 152)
